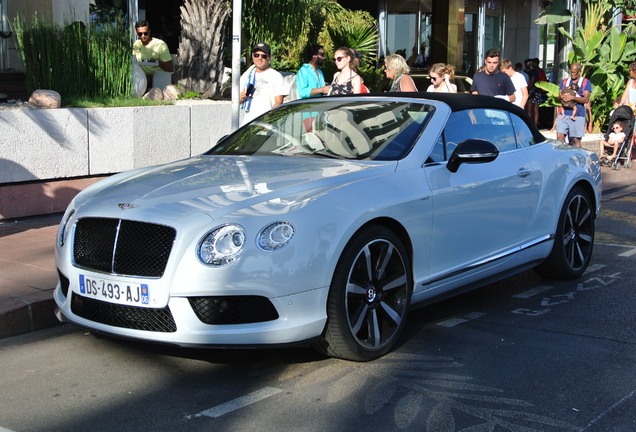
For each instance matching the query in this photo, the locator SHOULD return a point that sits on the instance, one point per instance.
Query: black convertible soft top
(465, 101)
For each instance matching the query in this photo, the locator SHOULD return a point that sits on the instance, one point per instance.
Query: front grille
(122, 246)
(233, 309)
(131, 317)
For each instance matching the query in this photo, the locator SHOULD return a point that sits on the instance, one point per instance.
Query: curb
(618, 192)
(24, 316)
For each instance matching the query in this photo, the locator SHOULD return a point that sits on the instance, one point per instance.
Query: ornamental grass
(75, 60)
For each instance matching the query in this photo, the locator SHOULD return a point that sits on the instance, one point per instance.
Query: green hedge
(75, 60)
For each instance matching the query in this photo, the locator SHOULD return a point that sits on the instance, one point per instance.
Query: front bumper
(301, 316)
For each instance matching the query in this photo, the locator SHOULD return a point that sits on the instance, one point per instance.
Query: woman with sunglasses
(441, 76)
(396, 69)
(346, 80)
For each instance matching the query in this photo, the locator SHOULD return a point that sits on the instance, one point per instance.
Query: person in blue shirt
(310, 81)
(491, 81)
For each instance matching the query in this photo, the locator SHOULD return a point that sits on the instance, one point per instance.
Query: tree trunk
(201, 45)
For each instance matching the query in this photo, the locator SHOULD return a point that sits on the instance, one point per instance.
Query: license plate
(111, 291)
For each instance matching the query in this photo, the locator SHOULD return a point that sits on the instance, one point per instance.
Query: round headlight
(222, 245)
(275, 236)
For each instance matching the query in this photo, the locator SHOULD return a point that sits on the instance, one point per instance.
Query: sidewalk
(28, 275)
(615, 182)
(27, 262)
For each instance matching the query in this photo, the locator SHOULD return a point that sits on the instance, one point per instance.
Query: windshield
(372, 130)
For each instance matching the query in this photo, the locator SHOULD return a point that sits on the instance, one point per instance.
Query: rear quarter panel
(559, 167)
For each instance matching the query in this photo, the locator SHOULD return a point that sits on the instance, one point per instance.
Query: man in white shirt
(262, 87)
(518, 80)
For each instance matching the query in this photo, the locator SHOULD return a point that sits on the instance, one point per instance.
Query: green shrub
(109, 102)
(75, 60)
(288, 26)
(190, 95)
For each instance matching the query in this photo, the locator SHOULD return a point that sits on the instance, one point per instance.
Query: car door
(481, 211)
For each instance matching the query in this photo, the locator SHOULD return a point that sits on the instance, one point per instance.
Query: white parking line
(5, 429)
(628, 253)
(461, 320)
(239, 403)
(532, 292)
(594, 268)
(608, 411)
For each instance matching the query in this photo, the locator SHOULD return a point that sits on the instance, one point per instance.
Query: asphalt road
(523, 354)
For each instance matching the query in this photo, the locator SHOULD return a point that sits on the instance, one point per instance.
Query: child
(616, 137)
(572, 89)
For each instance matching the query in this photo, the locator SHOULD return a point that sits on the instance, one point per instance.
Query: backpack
(565, 84)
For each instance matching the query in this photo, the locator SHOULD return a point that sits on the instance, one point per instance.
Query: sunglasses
(320, 55)
(616, 127)
(434, 78)
(257, 55)
(338, 59)
(143, 33)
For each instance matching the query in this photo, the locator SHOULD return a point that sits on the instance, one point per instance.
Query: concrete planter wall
(48, 146)
(74, 142)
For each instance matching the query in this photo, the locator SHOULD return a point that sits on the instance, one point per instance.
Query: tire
(369, 297)
(628, 164)
(574, 240)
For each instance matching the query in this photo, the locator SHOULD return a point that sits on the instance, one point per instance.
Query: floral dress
(345, 88)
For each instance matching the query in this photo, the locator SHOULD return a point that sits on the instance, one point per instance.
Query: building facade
(458, 32)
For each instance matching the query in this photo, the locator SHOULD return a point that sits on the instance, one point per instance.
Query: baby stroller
(625, 114)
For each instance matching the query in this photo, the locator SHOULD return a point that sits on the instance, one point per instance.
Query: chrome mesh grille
(122, 246)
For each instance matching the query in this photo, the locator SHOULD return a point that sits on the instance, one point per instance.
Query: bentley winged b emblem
(125, 206)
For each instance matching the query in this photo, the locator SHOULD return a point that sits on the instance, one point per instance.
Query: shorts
(572, 128)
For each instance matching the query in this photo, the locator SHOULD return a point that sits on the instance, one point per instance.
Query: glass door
(493, 25)
(407, 30)
(547, 49)
(469, 56)
(470, 60)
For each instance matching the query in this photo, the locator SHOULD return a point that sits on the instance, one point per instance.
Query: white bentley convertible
(324, 221)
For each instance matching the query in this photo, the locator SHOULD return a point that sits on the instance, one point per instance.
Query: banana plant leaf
(552, 93)
(556, 13)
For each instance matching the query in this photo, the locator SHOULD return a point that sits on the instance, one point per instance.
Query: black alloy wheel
(369, 296)
(574, 239)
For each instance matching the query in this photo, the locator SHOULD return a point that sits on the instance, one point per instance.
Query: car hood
(210, 184)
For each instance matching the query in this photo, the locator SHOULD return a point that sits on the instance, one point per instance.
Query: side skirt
(483, 264)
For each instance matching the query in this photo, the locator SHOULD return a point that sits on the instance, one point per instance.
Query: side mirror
(472, 151)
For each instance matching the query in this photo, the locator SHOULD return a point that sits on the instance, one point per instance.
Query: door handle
(524, 172)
